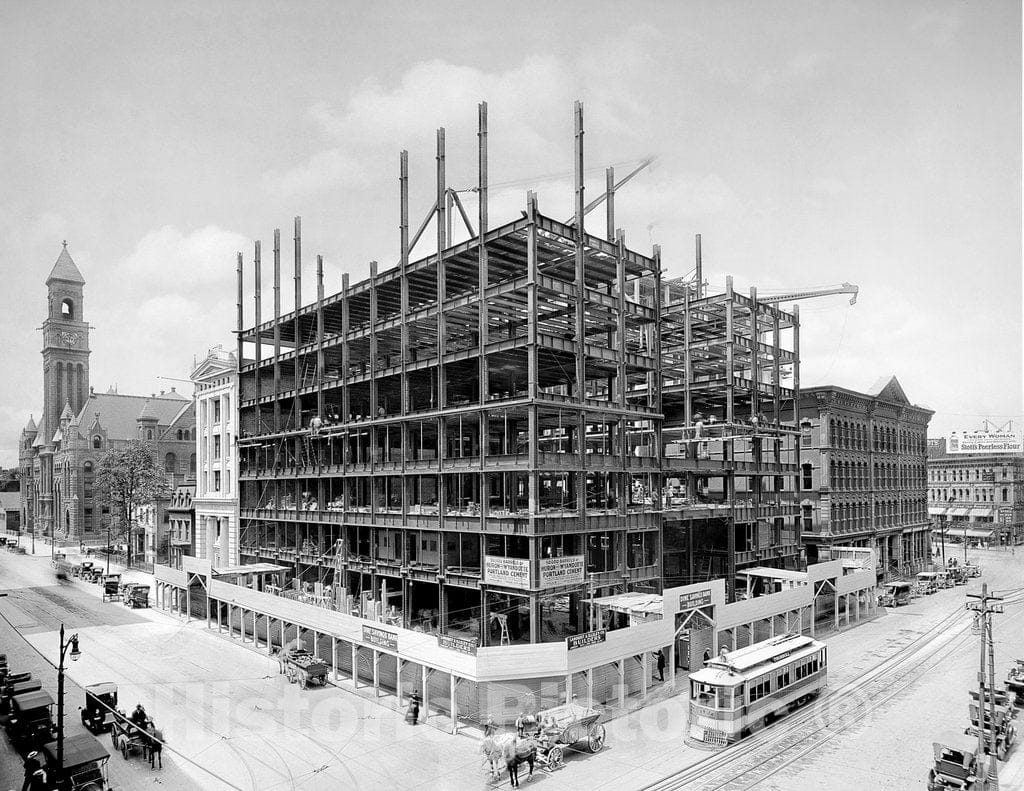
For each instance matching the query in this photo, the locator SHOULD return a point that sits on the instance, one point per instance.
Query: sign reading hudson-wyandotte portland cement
(567, 570)
(511, 572)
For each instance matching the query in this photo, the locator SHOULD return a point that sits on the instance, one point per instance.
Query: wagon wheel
(555, 757)
(113, 737)
(595, 739)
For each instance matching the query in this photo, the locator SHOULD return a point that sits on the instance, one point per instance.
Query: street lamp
(72, 643)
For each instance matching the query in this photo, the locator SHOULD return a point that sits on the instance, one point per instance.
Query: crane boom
(846, 288)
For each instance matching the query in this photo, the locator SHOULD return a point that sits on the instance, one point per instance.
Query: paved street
(232, 722)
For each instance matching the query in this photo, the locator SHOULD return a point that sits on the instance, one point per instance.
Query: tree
(129, 477)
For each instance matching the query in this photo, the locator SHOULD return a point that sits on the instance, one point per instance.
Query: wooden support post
(672, 664)
(355, 665)
(645, 671)
(334, 658)
(621, 665)
(453, 687)
(399, 664)
(376, 673)
(425, 694)
(568, 687)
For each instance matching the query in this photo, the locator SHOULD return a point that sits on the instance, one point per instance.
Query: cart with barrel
(562, 727)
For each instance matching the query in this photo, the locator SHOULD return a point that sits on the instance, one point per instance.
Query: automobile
(100, 706)
(30, 724)
(84, 766)
(895, 594)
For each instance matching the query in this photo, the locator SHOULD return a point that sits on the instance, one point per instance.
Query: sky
(809, 143)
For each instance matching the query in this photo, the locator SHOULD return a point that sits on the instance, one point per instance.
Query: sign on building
(993, 440)
(459, 644)
(694, 599)
(566, 570)
(575, 641)
(380, 638)
(510, 572)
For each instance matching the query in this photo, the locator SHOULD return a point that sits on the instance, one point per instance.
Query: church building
(60, 455)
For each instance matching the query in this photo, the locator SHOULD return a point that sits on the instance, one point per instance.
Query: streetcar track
(843, 707)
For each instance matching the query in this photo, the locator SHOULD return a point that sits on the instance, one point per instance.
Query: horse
(508, 751)
(154, 745)
(492, 748)
(519, 751)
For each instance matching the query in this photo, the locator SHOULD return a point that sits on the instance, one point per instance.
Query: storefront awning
(252, 568)
(961, 532)
(958, 511)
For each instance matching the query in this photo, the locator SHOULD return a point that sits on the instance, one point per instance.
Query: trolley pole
(984, 607)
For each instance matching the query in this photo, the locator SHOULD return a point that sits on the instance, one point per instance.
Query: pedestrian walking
(660, 656)
(37, 781)
(32, 763)
(414, 707)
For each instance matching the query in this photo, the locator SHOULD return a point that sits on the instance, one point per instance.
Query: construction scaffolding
(479, 442)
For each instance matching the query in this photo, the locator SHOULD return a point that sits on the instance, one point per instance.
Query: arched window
(67, 309)
(170, 463)
(187, 434)
(149, 433)
(97, 441)
(87, 467)
(192, 464)
(808, 477)
(179, 433)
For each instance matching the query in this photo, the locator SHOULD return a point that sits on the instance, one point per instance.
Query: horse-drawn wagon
(566, 725)
(305, 669)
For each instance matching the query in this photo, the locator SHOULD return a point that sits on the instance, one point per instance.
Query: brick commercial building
(60, 455)
(976, 496)
(863, 475)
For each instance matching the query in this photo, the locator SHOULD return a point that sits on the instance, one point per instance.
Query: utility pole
(984, 607)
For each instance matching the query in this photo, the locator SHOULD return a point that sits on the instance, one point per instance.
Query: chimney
(161, 392)
(173, 390)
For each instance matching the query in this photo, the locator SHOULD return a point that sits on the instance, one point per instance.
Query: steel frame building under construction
(489, 442)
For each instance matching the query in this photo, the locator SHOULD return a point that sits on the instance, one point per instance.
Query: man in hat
(32, 765)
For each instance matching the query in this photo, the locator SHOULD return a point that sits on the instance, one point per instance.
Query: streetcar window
(761, 688)
(783, 679)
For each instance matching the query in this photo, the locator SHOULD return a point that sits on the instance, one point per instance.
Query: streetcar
(744, 690)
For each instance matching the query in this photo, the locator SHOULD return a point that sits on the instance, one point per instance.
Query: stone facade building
(863, 475)
(59, 456)
(180, 531)
(216, 491)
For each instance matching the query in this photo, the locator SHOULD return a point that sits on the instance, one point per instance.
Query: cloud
(168, 259)
(937, 27)
(798, 72)
(529, 106)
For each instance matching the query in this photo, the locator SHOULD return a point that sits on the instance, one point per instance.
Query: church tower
(65, 344)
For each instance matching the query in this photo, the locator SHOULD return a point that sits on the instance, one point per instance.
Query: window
(760, 689)
(216, 480)
(216, 410)
(216, 446)
(171, 462)
(1005, 493)
(783, 680)
(192, 464)
(808, 478)
(187, 434)
(149, 433)
(808, 516)
(67, 309)
(97, 441)
(179, 433)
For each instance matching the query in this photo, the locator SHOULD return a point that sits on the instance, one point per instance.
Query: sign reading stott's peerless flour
(992, 441)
